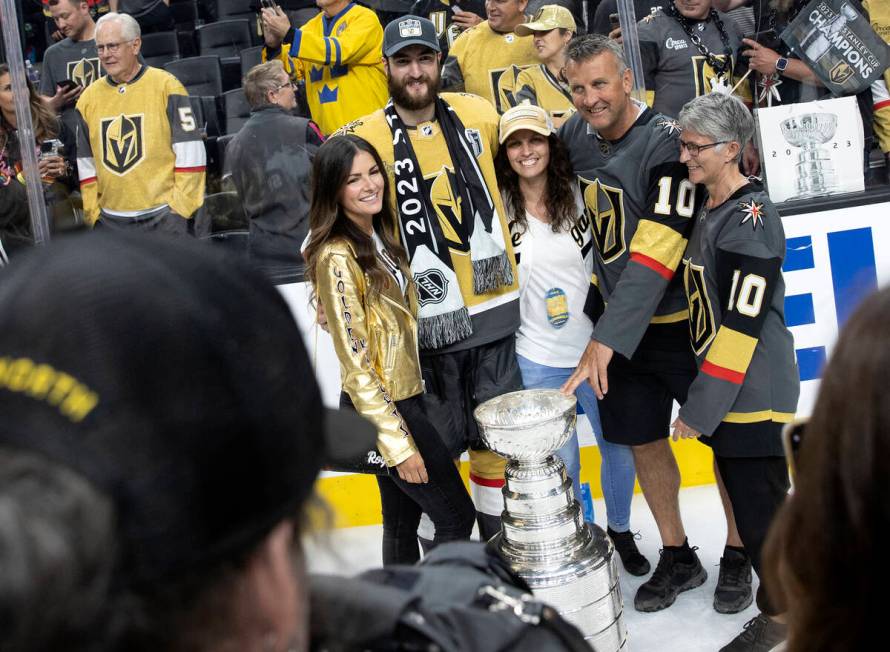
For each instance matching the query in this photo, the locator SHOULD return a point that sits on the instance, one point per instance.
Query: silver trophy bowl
(527, 425)
(815, 170)
(568, 563)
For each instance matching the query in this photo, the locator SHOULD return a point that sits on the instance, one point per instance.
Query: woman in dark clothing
(56, 171)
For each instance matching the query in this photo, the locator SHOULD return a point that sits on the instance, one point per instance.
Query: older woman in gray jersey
(747, 385)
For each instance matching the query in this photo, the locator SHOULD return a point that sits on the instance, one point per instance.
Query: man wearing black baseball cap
(175, 384)
(439, 152)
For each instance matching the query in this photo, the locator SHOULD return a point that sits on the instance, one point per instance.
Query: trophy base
(579, 580)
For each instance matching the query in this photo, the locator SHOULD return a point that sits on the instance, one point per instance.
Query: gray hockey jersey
(639, 203)
(732, 272)
(675, 70)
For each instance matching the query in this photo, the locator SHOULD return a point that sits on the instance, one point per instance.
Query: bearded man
(439, 153)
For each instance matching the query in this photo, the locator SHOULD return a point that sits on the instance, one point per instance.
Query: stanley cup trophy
(568, 563)
(815, 171)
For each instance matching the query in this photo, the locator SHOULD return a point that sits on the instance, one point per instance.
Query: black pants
(444, 498)
(757, 487)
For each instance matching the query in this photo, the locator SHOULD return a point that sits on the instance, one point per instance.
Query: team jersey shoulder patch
(670, 126)
(751, 212)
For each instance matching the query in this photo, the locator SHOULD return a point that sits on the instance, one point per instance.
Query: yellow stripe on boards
(355, 500)
(756, 417)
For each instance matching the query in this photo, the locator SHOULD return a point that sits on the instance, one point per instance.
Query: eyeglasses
(292, 85)
(694, 150)
(111, 48)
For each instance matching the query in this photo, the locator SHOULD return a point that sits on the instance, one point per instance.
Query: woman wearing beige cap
(552, 28)
(552, 241)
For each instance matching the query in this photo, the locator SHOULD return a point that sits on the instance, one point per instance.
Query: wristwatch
(781, 64)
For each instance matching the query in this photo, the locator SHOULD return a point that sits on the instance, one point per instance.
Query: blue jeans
(617, 471)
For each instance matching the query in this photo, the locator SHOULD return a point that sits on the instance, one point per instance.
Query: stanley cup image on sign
(838, 43)
(811, 149)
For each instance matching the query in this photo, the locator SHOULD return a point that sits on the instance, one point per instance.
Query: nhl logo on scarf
(432, 286)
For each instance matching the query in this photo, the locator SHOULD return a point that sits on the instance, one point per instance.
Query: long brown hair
(824, 556)
(46, 124)
(330, 170)
(560, 195)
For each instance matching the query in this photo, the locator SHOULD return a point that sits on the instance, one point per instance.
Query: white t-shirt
(553, 285)
(389, 263)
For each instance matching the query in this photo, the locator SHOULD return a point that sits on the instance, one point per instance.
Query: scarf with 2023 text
(443, 317)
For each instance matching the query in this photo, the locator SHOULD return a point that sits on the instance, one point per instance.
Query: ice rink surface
(690, 625)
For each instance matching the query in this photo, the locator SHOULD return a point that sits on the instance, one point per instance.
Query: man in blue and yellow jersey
(439, 153)
(338, 53)
(486, 59)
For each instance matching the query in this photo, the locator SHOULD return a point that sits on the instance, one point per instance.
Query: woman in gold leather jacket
(360, 276)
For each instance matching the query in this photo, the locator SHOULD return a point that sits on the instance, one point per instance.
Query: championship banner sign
(838, 43)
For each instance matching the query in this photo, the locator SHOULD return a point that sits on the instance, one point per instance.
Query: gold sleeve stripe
(487, 468)
(672, 318)
(756, 417)
(731, 350)
(658, 242)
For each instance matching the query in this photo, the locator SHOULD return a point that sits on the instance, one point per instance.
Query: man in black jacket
(268, 162)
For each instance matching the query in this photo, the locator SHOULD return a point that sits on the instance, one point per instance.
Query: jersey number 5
(186, 118)
(683, 203)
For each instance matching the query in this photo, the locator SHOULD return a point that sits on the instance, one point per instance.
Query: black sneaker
(760, 634)
(670, 578)
(733, 593)
(631, 558)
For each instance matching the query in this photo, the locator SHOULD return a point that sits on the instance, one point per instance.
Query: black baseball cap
(177, 381)
(409, 30)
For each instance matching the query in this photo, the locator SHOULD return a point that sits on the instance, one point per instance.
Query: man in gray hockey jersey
(640, 202)
(747, 384)
(688, 49)
(72, 64)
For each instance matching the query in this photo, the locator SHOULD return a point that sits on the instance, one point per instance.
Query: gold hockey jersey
(139, 147)
(879, 14)
(538, 86)
(485, 62)
(341, 61)
(495, 314)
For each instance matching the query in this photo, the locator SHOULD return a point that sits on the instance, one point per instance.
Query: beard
(402, 98)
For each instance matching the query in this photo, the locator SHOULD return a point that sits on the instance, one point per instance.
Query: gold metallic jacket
(376, 343)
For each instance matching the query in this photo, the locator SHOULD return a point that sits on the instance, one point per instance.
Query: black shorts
(758, 439)
(459, 381)
(642, 390)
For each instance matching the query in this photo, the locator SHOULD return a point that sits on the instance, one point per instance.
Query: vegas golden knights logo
(123, 146)
(705, 75)
(83, 72)
(840, 73)
(605, 209)
(447, 206)
(701, 316)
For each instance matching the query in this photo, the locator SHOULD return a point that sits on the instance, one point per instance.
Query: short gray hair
(585, 47)
(261, 79)
(129, 27)
(57, 550)
(718, 116)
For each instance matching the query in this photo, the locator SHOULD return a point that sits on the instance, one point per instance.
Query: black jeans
(757, 487)
(444, 498)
